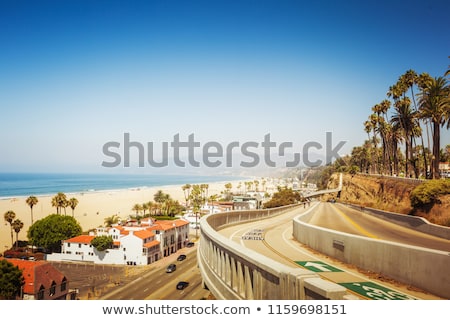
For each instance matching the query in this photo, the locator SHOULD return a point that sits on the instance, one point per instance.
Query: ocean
(26, 184)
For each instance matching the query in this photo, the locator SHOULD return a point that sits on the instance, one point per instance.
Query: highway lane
(346, 219)
(273, 238)
(157, 284)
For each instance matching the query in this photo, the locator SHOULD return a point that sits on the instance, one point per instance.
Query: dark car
(190, 244)
(181, 257)
(182, 285)
(171, 268)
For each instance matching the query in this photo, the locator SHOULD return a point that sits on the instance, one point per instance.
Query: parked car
(181, 257)
(182, 285)
(190, 244)
(171, 268)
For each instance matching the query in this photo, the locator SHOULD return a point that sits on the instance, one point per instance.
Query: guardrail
(233, 272)
(419, 267)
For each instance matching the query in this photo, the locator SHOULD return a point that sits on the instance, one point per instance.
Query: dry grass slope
(389, 194)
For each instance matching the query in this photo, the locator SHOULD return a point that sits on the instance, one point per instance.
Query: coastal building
(207, 208)
(42, 281)
(252, 202)
(134, 243)
(444, 169)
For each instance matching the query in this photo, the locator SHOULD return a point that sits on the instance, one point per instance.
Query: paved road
(157, 284)
(342, 218)
(107, 282)
(273, 238)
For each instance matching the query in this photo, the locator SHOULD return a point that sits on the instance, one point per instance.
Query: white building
(134, 244)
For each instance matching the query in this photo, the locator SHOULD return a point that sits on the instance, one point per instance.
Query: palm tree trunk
(12, 237)
(395, 156)
(421, 136)
(436, 147)
(17, 241)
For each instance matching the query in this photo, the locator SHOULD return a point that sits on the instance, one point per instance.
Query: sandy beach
(93, 207)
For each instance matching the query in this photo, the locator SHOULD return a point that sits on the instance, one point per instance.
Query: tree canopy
(101, 243)
(11, 280)
(283, 197)
(51, 230)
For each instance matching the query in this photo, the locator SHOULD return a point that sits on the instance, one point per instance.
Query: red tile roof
(153, 243)
(144, 234)
(81, 239)
(37, 274)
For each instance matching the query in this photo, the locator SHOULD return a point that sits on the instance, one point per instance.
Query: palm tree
(144, 208)
(196, 201)
(31, 201)
(434, 104)
(256, 182)
(408, 80)
(109, 221)
(17, 225)
(9, 217)
(138, 208)
(406, 118)
(166, 203)
(186, 190)
(73, 202)
(368, 127)
(396, 137)
(151, 206)
(59, 201)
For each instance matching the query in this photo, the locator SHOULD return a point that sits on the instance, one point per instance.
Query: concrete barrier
(233, 272)
(419, 267)
(416, 223)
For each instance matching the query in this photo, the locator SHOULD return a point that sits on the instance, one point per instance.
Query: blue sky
(75, 75)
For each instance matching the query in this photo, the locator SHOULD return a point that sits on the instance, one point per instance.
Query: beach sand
(92, 208)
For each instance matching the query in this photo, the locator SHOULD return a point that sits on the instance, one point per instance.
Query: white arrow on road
(316, 265)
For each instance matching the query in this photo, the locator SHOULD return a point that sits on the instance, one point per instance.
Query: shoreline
(94, 206)
(94, 191)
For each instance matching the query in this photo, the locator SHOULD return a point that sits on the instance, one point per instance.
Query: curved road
(345, 219)
(273, 238)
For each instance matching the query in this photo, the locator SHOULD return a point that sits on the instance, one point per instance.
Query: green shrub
(101, 243)
(428, 192)
(284, 196)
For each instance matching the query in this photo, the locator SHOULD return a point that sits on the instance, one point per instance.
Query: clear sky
(75, 75)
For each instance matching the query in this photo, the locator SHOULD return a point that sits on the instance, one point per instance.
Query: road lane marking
(354, 224)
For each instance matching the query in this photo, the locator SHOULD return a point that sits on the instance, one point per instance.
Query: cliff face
(388, 194)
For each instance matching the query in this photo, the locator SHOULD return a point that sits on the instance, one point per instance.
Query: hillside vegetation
(429, 199)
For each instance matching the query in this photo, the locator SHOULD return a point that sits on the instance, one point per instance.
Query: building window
(68, 245)
(79, 245)
(40, 295)
(64, 284)
(53, 289)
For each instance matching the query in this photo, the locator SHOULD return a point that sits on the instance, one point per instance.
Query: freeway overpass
(231, 271)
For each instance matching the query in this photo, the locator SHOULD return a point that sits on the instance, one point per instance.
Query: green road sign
(318, 266)
(374, 291)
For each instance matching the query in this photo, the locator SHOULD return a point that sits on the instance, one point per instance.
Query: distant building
(42, 281)
(247, 202)
(134, 243)
(444, 169)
